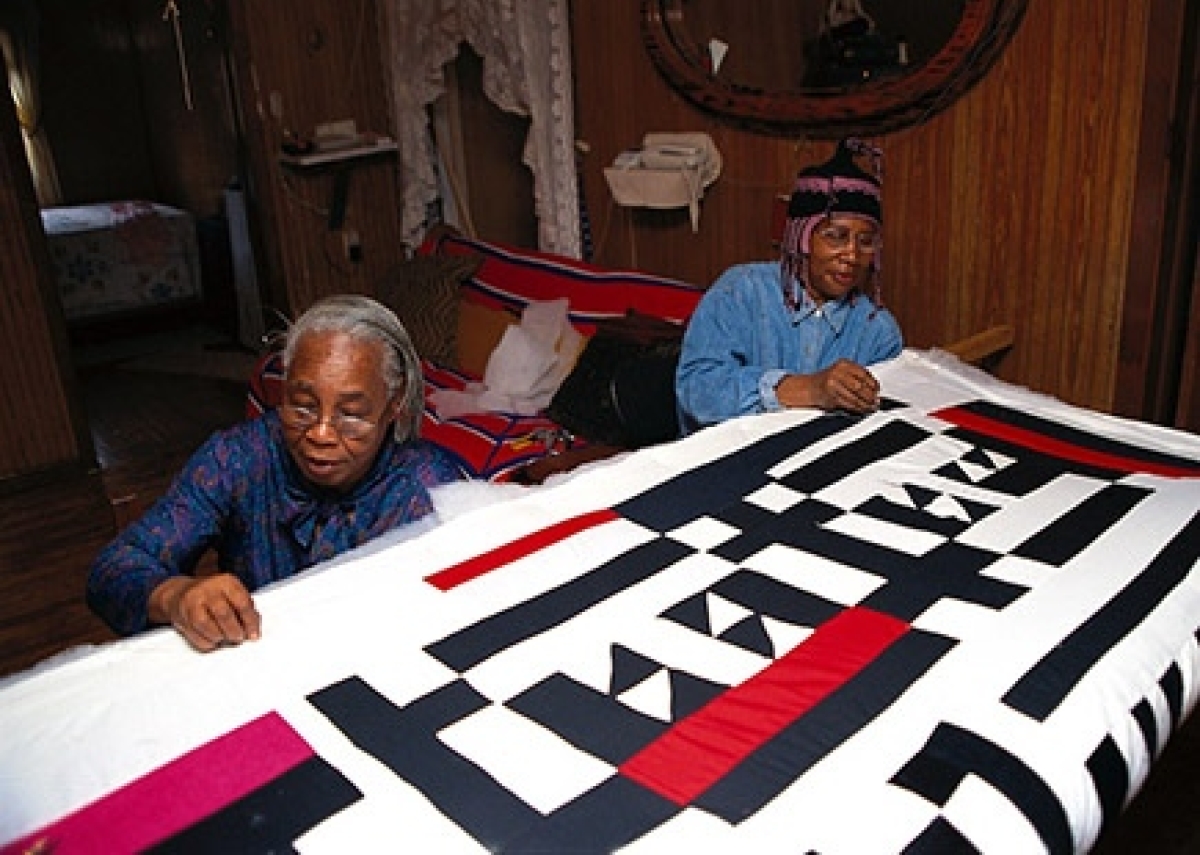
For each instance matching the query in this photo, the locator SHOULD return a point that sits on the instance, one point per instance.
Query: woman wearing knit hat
(797, 333)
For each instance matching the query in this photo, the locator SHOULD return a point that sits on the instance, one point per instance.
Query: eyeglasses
(839, 238)
(304, 419)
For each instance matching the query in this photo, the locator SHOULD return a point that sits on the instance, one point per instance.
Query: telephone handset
(665, 156)
(668, 171)
(673, 151)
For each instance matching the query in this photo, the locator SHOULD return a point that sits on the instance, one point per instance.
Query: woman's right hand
(209, 611)
(845, 385)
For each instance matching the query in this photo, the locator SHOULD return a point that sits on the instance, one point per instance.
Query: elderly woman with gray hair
(335, 465)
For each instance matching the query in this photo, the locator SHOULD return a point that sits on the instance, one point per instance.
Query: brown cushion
(480, 329)
(424, 294)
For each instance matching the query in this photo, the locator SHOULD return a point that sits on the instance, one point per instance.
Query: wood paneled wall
(1013, 206)
(301, 64)
(117, 114)
(41, 426)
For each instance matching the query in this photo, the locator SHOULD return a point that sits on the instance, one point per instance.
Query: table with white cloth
(965, 622)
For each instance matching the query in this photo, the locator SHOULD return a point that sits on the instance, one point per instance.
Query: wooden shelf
(339, 156)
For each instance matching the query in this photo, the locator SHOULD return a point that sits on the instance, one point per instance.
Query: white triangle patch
(948, 507)
(784, 636)
(723, 614)
(652, 696)
(998, 460)
(897, 495)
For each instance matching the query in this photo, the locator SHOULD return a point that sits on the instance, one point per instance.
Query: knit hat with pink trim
(838, 186)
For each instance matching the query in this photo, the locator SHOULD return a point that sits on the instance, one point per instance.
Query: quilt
(965, 623)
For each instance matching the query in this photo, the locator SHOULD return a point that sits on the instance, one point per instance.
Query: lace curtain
(525, 46)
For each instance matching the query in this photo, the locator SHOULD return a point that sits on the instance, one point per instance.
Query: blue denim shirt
(743, 339)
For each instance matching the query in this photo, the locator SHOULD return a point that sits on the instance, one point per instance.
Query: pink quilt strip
(175, 796)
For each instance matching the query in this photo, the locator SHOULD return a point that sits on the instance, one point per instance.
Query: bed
(114, 259)
(967, 622)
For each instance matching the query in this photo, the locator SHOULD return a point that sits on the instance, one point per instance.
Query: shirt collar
(304, 506)
(833, 313)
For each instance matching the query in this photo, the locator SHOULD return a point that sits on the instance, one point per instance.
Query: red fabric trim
(701, 749)
(487, 445)
(1059, 448)
(178, 795)
(511, 277)
(506, 553)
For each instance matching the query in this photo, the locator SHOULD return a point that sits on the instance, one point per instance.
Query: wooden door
(1157, 375)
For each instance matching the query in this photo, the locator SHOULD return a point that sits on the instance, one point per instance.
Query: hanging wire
(171, 11)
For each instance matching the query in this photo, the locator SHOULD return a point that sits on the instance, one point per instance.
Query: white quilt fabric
(1002, 710)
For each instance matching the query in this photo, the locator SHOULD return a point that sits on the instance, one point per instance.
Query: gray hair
(369, 320)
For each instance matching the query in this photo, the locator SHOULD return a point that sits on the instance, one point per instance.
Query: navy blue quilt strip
(270, 818)
(1107, 765)
(766, 772)
(1039, 692)
(1071, 533)
(406, 741)
(465, 649)
(1110, 777)
(708, 488)
(829, 468)
(953, 753)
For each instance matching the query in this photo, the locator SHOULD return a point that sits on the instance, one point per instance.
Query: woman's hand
(845, 385)
(208, 611)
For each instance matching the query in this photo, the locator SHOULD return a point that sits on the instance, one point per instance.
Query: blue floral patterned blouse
(242, 494)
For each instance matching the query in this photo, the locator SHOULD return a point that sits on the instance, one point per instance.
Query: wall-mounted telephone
(662, 156)
(667, 171)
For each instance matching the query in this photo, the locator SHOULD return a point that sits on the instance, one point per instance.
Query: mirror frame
(870, 109)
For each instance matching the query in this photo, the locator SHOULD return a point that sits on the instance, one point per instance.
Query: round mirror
(826, 69)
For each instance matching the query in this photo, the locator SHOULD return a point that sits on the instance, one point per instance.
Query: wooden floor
(146, 423)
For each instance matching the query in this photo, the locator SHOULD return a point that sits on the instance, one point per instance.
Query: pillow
(480, 329)
(513, 277)
(424, 294)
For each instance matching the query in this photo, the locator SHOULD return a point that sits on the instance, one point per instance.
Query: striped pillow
(510, 278)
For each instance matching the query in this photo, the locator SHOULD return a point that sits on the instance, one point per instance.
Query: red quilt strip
(178, 795)
(1059, 448)
(701, 749)
(506, 553)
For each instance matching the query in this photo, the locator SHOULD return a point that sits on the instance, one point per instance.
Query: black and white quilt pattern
(847, 636)
(960, 628)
